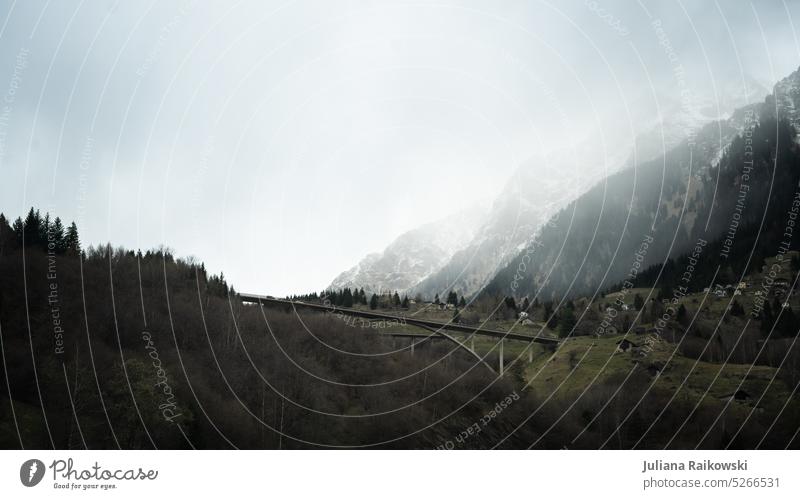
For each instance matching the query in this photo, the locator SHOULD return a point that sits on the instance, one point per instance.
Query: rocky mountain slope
(731, 173)
(414, 255)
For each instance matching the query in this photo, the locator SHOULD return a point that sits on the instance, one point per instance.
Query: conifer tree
(71, 240)
(44, 228)
(31, 228)
(56, 236)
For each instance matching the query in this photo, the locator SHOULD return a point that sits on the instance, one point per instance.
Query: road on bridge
(436, 325)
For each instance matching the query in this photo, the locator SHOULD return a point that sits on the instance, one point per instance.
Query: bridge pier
(472, 342)
(412, 346)
(530, 353)
(501, 357)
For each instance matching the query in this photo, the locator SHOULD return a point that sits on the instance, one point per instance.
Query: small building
(740, 395)
(624, 345)
(523, 315)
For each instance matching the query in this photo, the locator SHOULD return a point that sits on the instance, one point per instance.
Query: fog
(281, 141)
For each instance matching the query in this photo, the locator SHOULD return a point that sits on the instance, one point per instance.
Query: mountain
(414, 255)
(542, 186)
(724, 180)
(533, 194)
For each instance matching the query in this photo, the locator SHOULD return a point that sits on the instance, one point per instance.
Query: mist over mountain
(414, 255)
(532, 195)
(702, 189)
(539, 189)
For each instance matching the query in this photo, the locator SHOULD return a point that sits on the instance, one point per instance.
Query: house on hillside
(624, 345)
(739, 395)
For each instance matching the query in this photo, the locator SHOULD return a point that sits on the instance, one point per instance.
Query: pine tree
(71, 240)
(436, 300)
(347, 298)
(511, 303)
(6, 234)
(405, 304)
(31, 228)
(638, 302)
(19, 229)
(44, 228)
(681, 316)
(396, 299)
(462, 302)
(373, 302)
(566, 322)
(56, 236)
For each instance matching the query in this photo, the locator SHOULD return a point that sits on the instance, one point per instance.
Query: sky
(280, 141)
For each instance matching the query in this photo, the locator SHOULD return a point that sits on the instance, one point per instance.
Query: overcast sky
(281, 141)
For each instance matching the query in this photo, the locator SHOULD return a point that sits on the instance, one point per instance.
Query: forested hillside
(107, 348)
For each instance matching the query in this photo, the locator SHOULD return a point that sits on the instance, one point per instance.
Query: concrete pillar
(472, 342)
(412, 346)
(501, 357)
(530, 353)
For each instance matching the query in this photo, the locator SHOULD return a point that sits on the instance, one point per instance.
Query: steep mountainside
(413, 256)
(723, 179)
(541, 187)
(530, 198)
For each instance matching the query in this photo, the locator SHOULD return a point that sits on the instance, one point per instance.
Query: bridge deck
(267, 300)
